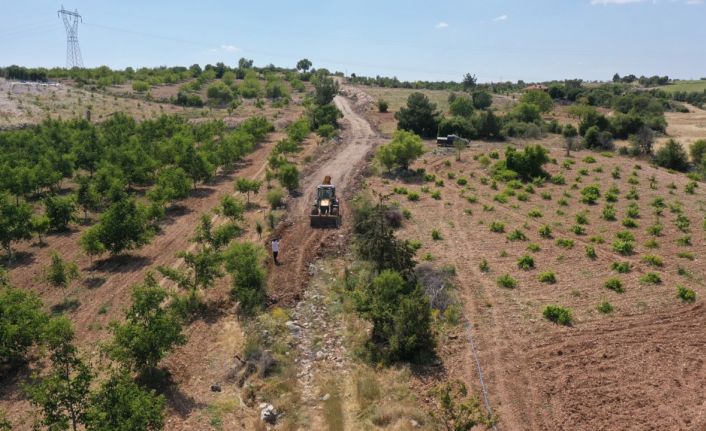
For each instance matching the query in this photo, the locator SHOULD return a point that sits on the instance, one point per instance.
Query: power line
(73, 51)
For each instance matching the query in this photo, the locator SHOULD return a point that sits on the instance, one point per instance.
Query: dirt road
(300, 243)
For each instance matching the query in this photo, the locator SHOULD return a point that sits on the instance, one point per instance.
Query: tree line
(67, 166)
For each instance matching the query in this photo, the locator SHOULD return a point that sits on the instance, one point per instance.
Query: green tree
(469, 81)
(482, 100)
(401, 317)
(698, 150)
(203, 268)
(124, 226)
(672, 156)
(149, 332)
(196, 165)
(121, 405)
(245, 262)
(459, 412)
(173, 183)
(232, 208)
(304, 65)
(247, 186)
(87, 197)
(527, 163)
(15, 222)
(40, 225)
(419, 116)
(386, 156)
(643, 141)
(60, 211)
(527, 113)
(322, 115)
(405, 147)
(22, 322)
(60, 274)
(289, 177)
(5, 424)
(376, 242)
(325, 89)
(539, 98)
(461, 106)
(63, 395)
(90, 242)
(569, 133)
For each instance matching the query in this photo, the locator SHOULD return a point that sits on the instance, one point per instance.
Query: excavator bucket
(325, 221)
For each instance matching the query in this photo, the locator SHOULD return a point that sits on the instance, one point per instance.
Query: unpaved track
(299, 242)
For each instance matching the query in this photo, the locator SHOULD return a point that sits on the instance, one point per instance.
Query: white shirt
(275, 245)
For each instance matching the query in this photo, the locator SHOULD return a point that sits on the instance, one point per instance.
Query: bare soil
(640, 367)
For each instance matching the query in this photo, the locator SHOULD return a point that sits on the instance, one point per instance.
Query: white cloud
(604, 2)
(442, 24)
(500, 18)
(695, 2)
(230, 48)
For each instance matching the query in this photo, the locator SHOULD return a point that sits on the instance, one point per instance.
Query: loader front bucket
(325, 221)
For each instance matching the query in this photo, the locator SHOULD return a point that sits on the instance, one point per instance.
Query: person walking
(275, 250)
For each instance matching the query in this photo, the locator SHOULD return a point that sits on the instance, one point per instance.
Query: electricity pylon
(73, 51)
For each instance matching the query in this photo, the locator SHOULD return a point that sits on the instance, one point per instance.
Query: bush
(22, 322)
(436, 235)
(653, 260)
(525, 262)
(289, 177)
(698, 150)
(605, 307)
(614, 284)
(413, 196)
(483, 265)
(382, 105)
(558, 315)
(685, 294)
(517, 235)
(61, 211)
(624, 248)
(482, 100)
(621, 267)
(507, 281)
(590, 194)
(326, 131)
(461, 106)
(547, 277)
(651, 278)
(275, 198)
(565, 243)
(403, 149)
(401, 317)
(591, 252)
(244, 261)
(545, 231)
(526, 164)
(497, 227)
(672, 156)
(629, 223)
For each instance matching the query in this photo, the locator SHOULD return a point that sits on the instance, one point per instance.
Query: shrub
(653, 260)
(685, 255)
(413, 196)
(535, 213)
(526, 262)
(547, 277)
(578, 229)
(382, 105)
(497, 227)
(244, 261)
(614, 284)
(517, 235)
(289, 177)
(672, 156)
(621, 267)
(651, 278)
(605, 307)
(275, 198)
(545, 231)
(558, 315)
(462, 182)
(507, 281)
(652, 243)
(565, 243)
(684, 241)
(625, 236)
(629, 223)
(582, 217)
(609, 212)
(698, 150)
(436, 195)
(546, 196)
(558, 180)
(685, 294)
(590, 194)
(591, 252)
(326, 131)
(483, 265)
(624, 248)
(655, 229)
(533, 247)
(436, 235)
(527, 164)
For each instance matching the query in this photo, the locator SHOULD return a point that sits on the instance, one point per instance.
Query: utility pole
(73, 51)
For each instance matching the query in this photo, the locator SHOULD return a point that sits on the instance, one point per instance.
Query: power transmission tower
(73, 51)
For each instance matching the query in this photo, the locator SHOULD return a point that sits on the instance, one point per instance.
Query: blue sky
(533, 40)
